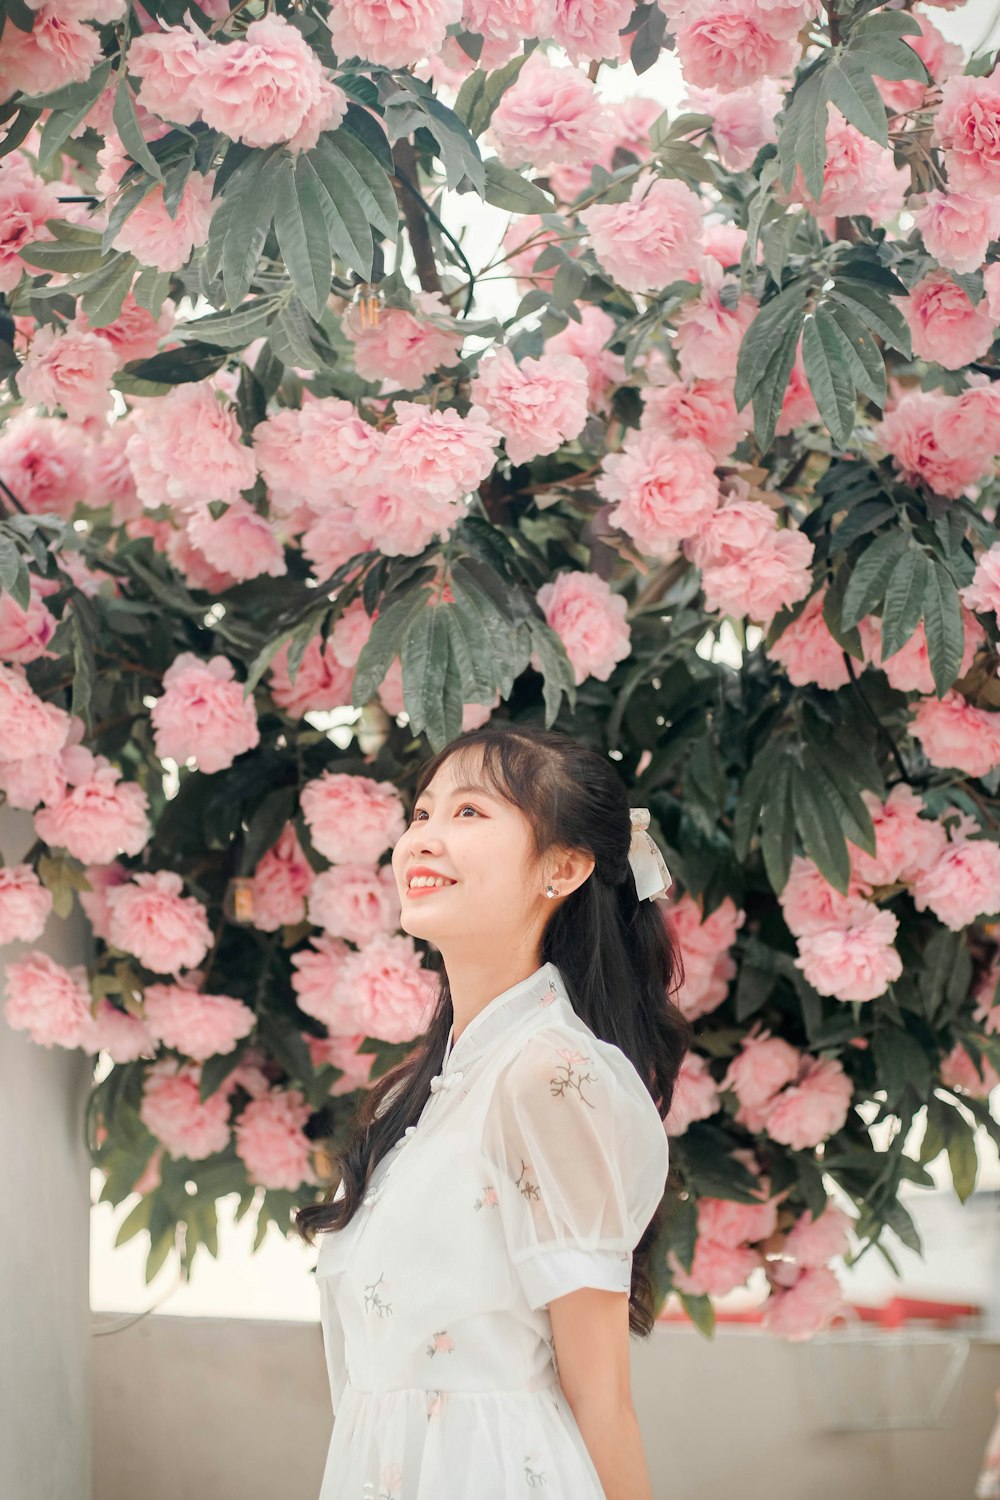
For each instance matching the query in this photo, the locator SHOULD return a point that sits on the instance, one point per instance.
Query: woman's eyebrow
(460, 791)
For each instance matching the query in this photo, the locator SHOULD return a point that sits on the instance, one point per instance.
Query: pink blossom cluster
(652, 238)
(60, 49)
(202, 714)
(958, 223)
(940, 57)
(281, 884)
(550, 116)
(90, 811)
(393, 33)
(381, 990)
(846, 942)
(25, 904)
(355, 901)
(728, 45)
(185, 449)
(706, 943)
(909, 669)
(538, 405)
(726, 1250)
(708, 332)
(150, 918)
(750, 566)
(404, 347)
(341, 1052)
(172, 1110)
(983, 593)
(663, 490)
(860, 176)
(702, 409)
(807, 650)
(946, 327)
(26, 202)
(40, 463)
(271, 1142)
(266, 87)
(505, 24)
(154, 235)
(947, 442)
(71, 370)
(351, 819)
(696, 1094)
(956, 735)
(963, 882)
(25, 632)
(589, 620)
(50, 1001)
(795, 1098)
(587, 340)
(743, 120)
(199, 1025)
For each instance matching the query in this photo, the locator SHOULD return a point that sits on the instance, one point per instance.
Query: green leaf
(802, 138)
(862, 353)
(63, 120)
(14, 576)
(866, 586)
(770, 394)
(849, 85)
(904, 600)
(821, 833)
(248, 225)
(234, 330)
(482, 91)
(943, 627)
(430, 694)
(962, 1157)
(775, 319)
(459, 150)
(777, 838)
(557, 670)
(507, 189)
(701, 1311)
(366, 177)
(151, 289)
(383, 643)
(65, 256)
(132, 138)
(106, 291)
(299, 223)
(347, 228)
(875, 311)
(829, 375)
(184, 366)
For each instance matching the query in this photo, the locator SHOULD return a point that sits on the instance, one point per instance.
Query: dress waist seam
(423, 1390)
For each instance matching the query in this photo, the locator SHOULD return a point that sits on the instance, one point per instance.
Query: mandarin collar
(502, 1013)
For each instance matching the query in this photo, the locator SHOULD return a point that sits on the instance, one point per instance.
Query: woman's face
(482, 845)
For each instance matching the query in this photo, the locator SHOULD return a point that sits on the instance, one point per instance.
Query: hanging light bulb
(369, 301)
(238, 901)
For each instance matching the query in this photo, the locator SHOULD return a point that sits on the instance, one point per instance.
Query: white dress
(536, 1164)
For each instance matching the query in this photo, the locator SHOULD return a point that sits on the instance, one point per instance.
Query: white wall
(45, 1413)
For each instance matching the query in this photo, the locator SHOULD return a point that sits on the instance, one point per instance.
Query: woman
(490, 1259)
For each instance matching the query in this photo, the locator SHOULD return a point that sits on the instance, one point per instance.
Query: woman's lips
(427, 890)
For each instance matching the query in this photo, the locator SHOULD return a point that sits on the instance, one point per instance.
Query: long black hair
(617, 955)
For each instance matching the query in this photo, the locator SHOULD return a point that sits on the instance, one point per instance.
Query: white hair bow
(652, 878)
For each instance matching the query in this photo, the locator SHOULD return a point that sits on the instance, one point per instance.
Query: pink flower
(350, 632)
(203, 713)
(957, 227)
(169, 63)
(983, 593)
(503, 25)
(696, 1095)
(586, 340)
(437, 455)
(726, 45)
(955, 735)
(971, 422)
(962, 884)
(806, 1307)
(945, 326)
(588, 29)
(315, 983)
(909, 668)
(185, 450)
(967, 127)
(317, 455)
(24, 904)
(271, 1141)
(991, 288)
(352, 819)
(385, 989)
(651, 238)
(810, 903)
(281, 883)
(813, 1242)
(172, 1111)
(537, 405)
(332, 540)
(341, 1052)
(123, 1037)
(923, 447)
(320, 683)
(25, 633)
(58, 50)
(703, 410)
(240, 541)
(807, 650)
(905, 842)
(749, 567)
(149, 918)
(856, 961)
(135, 333)
(959, 1071)
(589, 620)
(663, 490)
(194, 566)
(261, 88)
(70, 370)
(26, 202)
(726, 1222)
(860, 176)
(743, 120)
(43, 462)
(549, 116)
(28, 726)
(201, 1026)
(709, 966)
(404, 346)
(49, 1001)
(98, 815)
(763, 1066)
(355, 902)
(392, 33)
(811, 1110)
(715, 1270)
(167, 242)
(708, 333)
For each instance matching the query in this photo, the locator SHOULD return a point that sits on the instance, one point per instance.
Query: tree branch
(404, 159)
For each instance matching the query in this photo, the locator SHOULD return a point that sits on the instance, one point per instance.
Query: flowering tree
(284, 507)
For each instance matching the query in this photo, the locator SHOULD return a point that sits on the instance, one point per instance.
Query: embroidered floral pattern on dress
(392, 1482)
(441, 1344)
(374, 1299)
(435, 1401)
(489, 1198)
(570, 1061)
(549, 996)
(523, 1182)
(534, 1478)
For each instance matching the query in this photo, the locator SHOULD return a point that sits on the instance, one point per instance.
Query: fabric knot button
(445, 1081)
(371, 1197)
(410, 1130)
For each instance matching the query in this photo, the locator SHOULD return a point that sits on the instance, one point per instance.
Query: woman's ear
(571, 868)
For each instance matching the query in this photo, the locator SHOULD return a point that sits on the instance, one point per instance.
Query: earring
(550, 890)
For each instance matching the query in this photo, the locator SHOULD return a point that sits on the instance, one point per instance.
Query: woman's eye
(467, 807)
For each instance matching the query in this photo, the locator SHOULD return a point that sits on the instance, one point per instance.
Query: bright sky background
(963, 1245)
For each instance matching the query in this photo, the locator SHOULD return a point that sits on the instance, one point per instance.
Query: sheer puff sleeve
(579, 1156)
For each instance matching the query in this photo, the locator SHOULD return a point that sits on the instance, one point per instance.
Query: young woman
(489, 1240)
